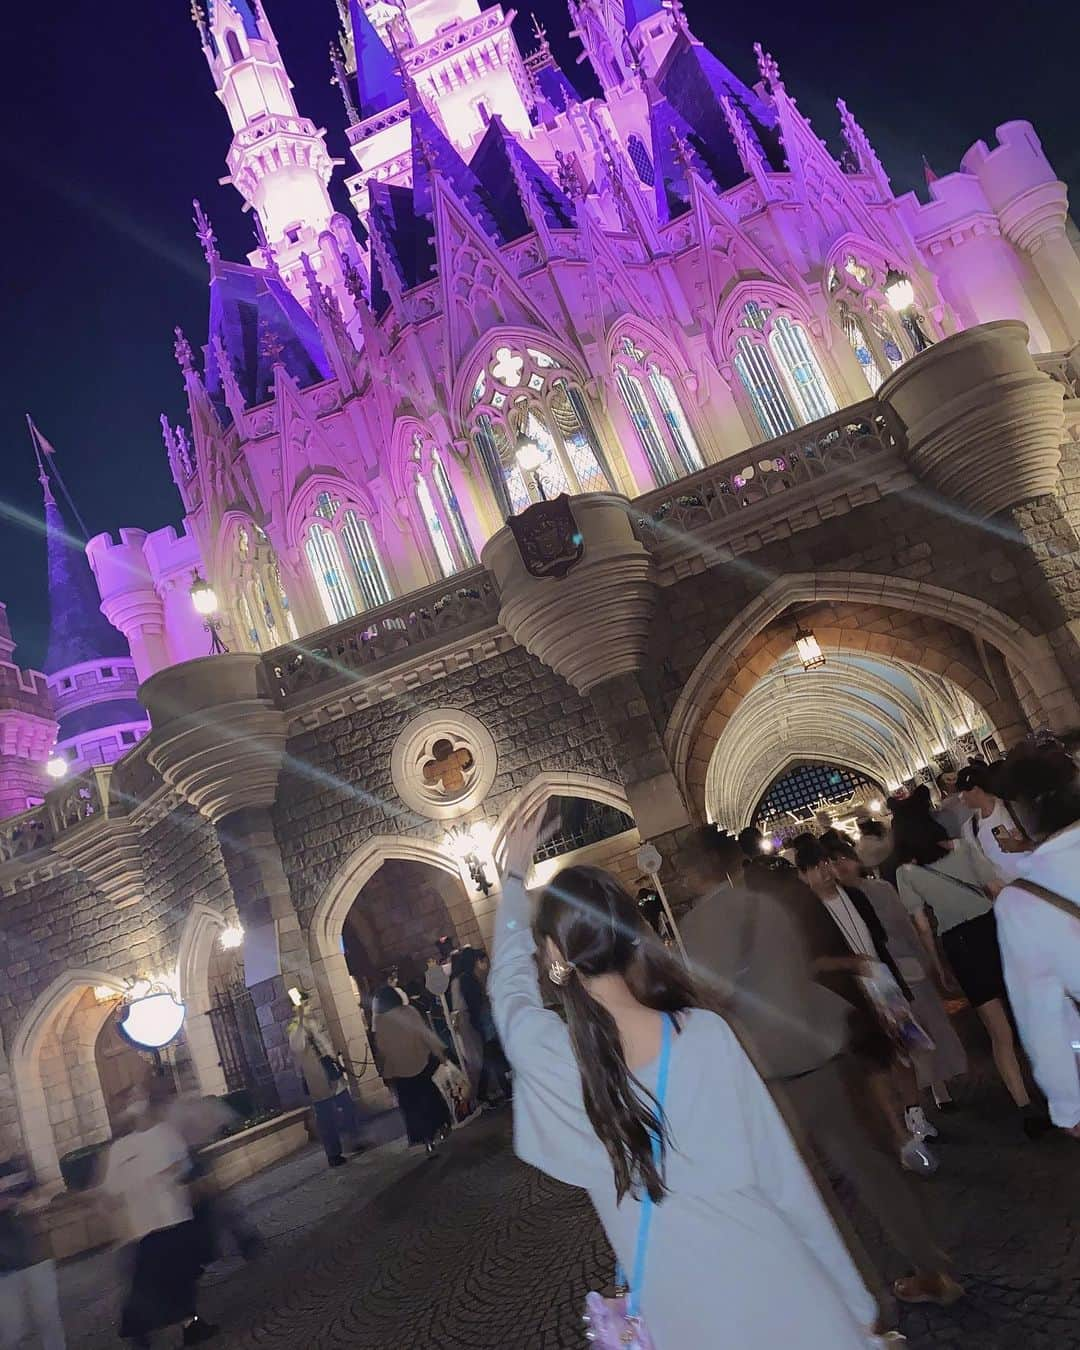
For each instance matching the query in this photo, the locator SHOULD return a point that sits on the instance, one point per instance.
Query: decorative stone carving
(217, 737)
(983, 422)
(443, 763)
(592, 624)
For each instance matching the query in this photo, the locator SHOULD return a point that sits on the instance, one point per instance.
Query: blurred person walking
(760, 947)
(327, 1085)
(29, 1301)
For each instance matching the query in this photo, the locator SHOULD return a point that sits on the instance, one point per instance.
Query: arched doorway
(398, 918)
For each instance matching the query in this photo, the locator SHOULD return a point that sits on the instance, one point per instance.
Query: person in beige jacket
(327, 1086)
(408, 1053)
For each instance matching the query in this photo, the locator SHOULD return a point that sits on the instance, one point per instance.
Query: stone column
(592, 627)
(219, 740)
(984, 427)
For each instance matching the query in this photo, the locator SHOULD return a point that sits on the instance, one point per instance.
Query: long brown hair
(595, 924)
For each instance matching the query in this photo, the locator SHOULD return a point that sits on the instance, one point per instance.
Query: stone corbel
(218, 739)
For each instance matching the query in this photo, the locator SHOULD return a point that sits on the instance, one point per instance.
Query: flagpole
(43, 448)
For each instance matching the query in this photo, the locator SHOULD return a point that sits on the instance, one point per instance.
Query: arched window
(232, 43)
(525, 391)
(866, 319)
(440, 511)
(657, 414)
(344, 560)
(775, 362)
(263, 614)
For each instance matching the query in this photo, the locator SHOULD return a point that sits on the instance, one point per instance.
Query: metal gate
(240, 1046)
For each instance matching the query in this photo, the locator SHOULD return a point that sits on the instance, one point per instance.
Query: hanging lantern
(808, 649)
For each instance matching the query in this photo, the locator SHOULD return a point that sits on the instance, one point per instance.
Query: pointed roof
(378, 80)
(554, 89)
(243, 11)
(433, 157)
(78, 631)
(405, 236)
(260, 323)
(499, 163)
(686, 102)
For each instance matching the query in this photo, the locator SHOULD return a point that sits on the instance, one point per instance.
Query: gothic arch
(772, 292)
(25, 1061)
(509, 335)
(202, 929)
(555, 783)
(698, 718)
(301, 508)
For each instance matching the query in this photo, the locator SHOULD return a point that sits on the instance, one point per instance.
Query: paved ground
(475, 1252)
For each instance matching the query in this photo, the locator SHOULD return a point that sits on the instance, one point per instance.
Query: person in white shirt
(146, 1172)
(993, 825)
(1039, 930)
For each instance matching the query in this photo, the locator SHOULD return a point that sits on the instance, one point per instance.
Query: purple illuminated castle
(537, 293)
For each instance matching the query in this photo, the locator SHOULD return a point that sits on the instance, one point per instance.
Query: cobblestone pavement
(474, 1251)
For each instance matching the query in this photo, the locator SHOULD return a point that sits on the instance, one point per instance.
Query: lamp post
(900, 293)
(529, 459)
(204, 598)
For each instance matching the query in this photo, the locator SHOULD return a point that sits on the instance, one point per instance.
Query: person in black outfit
(471, 970)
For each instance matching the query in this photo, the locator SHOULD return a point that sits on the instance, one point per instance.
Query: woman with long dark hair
(741, 1249)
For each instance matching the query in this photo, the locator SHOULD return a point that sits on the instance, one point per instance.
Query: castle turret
(27, 729)
(88, 665)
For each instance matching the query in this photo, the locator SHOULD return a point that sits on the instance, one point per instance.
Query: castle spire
(379, 82)
(278, 160)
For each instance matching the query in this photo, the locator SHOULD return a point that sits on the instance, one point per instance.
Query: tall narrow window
(436, 532)
(856, 336)
(324, 559)
(452, 510)
(232, 43)
(662, 426)
(641, 159)
(366, 564)
(247, 618)
(776, 365)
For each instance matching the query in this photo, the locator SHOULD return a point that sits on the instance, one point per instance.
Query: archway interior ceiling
(886, 718)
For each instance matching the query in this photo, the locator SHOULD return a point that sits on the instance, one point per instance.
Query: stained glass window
(435, 530)
(762, 384)
(887, 337)
(324, 559)
(641, 414)
(803, 787)
(247, 620)
(791, 347)
(856, 336)
(364, 557)
(452, 510)
(681, 435)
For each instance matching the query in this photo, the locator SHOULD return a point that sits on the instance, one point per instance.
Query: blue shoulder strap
(645, 1222)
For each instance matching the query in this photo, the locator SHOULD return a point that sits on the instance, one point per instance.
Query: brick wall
(345, 794)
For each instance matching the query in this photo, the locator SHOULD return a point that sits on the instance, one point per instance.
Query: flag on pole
(41, 444)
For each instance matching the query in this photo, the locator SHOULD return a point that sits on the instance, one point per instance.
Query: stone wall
(344, 794)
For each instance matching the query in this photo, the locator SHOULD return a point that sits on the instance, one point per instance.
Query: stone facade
(265, 794)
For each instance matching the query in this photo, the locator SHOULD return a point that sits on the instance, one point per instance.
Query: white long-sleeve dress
(1040, 954)
(742, 1252)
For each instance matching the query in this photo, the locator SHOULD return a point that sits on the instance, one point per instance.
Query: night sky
(112, 127)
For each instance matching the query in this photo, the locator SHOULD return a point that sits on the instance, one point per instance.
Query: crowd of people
(711, 1108)
(712, 1093)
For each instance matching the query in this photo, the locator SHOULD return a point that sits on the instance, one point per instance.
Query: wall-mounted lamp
(467, 843)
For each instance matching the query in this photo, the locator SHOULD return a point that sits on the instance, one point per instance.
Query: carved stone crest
(548, 538)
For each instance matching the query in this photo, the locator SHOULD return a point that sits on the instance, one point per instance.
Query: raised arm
(513, 984)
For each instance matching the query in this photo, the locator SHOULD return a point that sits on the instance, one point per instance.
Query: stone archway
(61, 1106)
(555, 784)
(925, 624)
(341, 1010)
(202, 931)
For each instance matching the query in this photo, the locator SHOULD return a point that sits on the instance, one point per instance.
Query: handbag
(615, 1323)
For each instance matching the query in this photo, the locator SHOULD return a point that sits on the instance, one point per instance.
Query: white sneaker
(917, 1124)
(916, 1157)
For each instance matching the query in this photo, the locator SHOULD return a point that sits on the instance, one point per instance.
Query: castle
(820, 452)
(635, 285)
